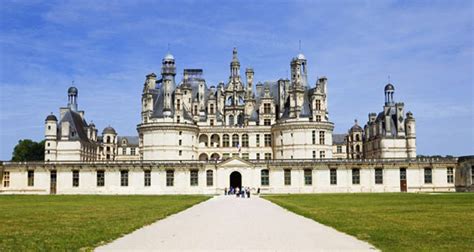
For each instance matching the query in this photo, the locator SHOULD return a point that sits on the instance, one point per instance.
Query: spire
(234, 55)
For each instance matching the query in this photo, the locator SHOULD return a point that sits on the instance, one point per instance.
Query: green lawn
(73, 222)
(395, 221)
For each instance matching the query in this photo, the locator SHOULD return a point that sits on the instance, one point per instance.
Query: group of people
(238, 192)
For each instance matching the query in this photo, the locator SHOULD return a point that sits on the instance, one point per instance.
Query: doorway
(403, 179)
(236, 179)
(52, 186)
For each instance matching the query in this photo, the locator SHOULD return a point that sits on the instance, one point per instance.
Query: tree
(28, 150)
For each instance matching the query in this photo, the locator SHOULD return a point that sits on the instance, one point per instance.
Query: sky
(108, 47)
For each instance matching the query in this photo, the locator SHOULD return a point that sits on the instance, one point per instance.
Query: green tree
(28, 150)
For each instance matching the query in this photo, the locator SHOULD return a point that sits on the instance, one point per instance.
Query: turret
(410, 127)
(50, 135)
(249, 74)
(109, 138)
(234, 66)
(168, 73)
(389, 91)
(298, 71)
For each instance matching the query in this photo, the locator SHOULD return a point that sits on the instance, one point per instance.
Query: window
(235, 140)
(209, 178)
(75, 178)
(180, 152)
(245, 140)
(132, 151)
(308, 177)
(428, 176)
(147, 177)
(178, 119)
(287, 176)
(267, 108)
(450, 174)
(356, 176)
(169, 177)
(31, 178)
(211, 109)
(257, 156)
(180, 133)
(265, 177)
(378, 176)
(245, 156)
(333, 176)
(235, 154)
(268, 156)
(318, 104)
(267, 122)
(123, 178)
(211, 122)
(180, 142)
(268, 140)
(6, 179)
(318, 118)
(322, 154)
(178, 104)
(321, 137)
(339, 149)
(124, 151)
(194, 178)
(403, 174)
(314, 137)
(225, 156)
(314, 154)
(225, 140)
(100, 178)
(258, 140)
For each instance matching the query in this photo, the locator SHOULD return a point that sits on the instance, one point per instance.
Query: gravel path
(235, 224)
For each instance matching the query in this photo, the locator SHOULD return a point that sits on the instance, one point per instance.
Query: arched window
(225, 140)
(265, 177)
(235, 140)
(240, 120)
(108, 139)
(245, 140)
(231, 120)
(209, 178)
(357, 148)
(357, 137)
(215, 140)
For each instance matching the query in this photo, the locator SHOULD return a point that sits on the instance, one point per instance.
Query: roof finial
(355, 122)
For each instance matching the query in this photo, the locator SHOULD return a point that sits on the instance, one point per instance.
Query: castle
(198, 139)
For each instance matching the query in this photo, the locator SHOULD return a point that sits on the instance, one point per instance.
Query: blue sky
(107, 48)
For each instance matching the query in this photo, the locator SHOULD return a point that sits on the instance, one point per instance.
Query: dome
(300, 56)
(389, 87)
(92, 125)
(51, 118)
(72, 91)
(109, 130)
(356, 128)
(168, 56)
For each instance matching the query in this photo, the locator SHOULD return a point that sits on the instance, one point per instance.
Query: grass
(73, 222)
(393, 222)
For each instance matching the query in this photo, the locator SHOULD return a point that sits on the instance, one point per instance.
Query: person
(242, 193)
(237, 191)
(258, 191)
(248, 192)
(225, 191)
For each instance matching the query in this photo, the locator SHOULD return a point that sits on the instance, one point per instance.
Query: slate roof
(338, 139)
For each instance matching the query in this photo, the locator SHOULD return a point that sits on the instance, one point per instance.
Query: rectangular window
(6, 179)
(318, 118)
(318, 104)
(265, 177)
(428, 176)
(258, 140)
(268, 140)
(245, 156)
(314, 154)
(194, 178)
(178, 119)
(123, 178)
(321, 137)
(124, 151)
(258, 156)
(267, 122)
(314, 137)
(339, 149)
(209, 178)
(169, 177)
(225, 156)
(403, 174)
(267, 108)
(333, 176)
(178, 104)
(75, 178)
(378, 176)
(147, 178)
(356, 176)
(322, 154)
(132, 151)
(211, 109)
(180, 152)
(450, 175)
(235, 154)
(287, 176)
(211, 122)
(31, 178)
(308, 177)
(180, 142)
(100, 178)
(268, 156)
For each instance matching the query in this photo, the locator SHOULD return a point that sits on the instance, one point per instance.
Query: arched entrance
(236, 179)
